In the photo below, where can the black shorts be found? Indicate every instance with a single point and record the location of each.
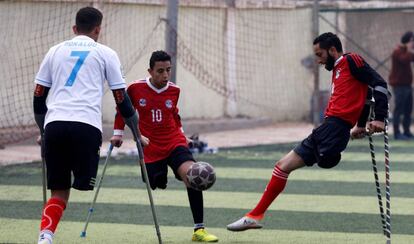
(158, 171)
(330, 138)
(71, 147)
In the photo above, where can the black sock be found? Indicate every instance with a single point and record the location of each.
(196, 204)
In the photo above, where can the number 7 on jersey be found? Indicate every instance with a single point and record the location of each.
(82, 56)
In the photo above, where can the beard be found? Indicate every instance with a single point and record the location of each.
(330, 62)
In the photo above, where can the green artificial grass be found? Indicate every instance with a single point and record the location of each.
(318, 206)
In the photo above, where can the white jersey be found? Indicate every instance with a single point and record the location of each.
(76, 70)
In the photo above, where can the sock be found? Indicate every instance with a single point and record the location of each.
(198, 226)
(46, 234)
(52, 212)
(275, 186)
(196, 204)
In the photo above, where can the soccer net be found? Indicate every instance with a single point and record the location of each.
(237, 61)
(29, 29)
(250, 56)
(234, 58)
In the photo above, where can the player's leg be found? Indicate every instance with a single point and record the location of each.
(323, 146)
(277, 183)
(59, 179)
(303, 154)
(86, 143)
(408, 107)
(157, 174)
(180, 160)
(398, 111)
(51, 215)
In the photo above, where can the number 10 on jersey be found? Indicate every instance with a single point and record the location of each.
(156, 115)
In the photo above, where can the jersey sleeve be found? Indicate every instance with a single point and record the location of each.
(365, 74)
(177, 117)
(119, 124)
(363, 118)
(113, 73)
(44, 76)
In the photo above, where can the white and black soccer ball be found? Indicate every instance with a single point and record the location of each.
(201, 176)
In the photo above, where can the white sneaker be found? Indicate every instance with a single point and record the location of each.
(244, 223)
(45, 237)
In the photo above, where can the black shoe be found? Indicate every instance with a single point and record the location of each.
(401, 137)
(409, 135)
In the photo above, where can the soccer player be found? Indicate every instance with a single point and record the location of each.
(353, 84)
(72, 77)
(155, 98)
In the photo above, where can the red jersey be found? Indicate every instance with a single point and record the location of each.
(158, 118)
(348, 94)
(401, 73)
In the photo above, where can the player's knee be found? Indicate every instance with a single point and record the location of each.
(183, 169)
(329, 161)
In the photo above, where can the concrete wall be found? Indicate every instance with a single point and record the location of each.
(269, 44)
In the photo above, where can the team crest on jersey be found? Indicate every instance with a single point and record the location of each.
(168, 103)
(142, 102)
(337, 73)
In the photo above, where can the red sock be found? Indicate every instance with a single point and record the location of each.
(52, 212)
(276, 185)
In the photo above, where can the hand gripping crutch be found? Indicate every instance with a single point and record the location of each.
(108, 155)
(386, 219)
(137, 137)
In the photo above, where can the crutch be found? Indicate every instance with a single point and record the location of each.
(108, 155)
(137, 137)
(387, 184)
(386, 220)
(44, 179)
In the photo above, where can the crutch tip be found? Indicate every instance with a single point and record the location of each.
(83, 234)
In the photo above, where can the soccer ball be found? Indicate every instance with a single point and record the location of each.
(201, 176)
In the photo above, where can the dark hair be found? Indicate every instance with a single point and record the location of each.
(158, 56)
(407, 37)
(328, 40)
(87, 19)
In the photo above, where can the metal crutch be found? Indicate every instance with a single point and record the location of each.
(108, 155)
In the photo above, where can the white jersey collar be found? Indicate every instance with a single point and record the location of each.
(154, 88)
(338, 60)
(83, 37)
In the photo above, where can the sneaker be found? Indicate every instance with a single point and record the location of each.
(203, 236)
(244, 223)
(409, 135)
(45, 238)
(401, 137)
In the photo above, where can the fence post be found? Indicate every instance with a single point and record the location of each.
(231, 72)
(316, 94)
(171, 31)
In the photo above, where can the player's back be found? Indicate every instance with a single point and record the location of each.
(75, 71)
